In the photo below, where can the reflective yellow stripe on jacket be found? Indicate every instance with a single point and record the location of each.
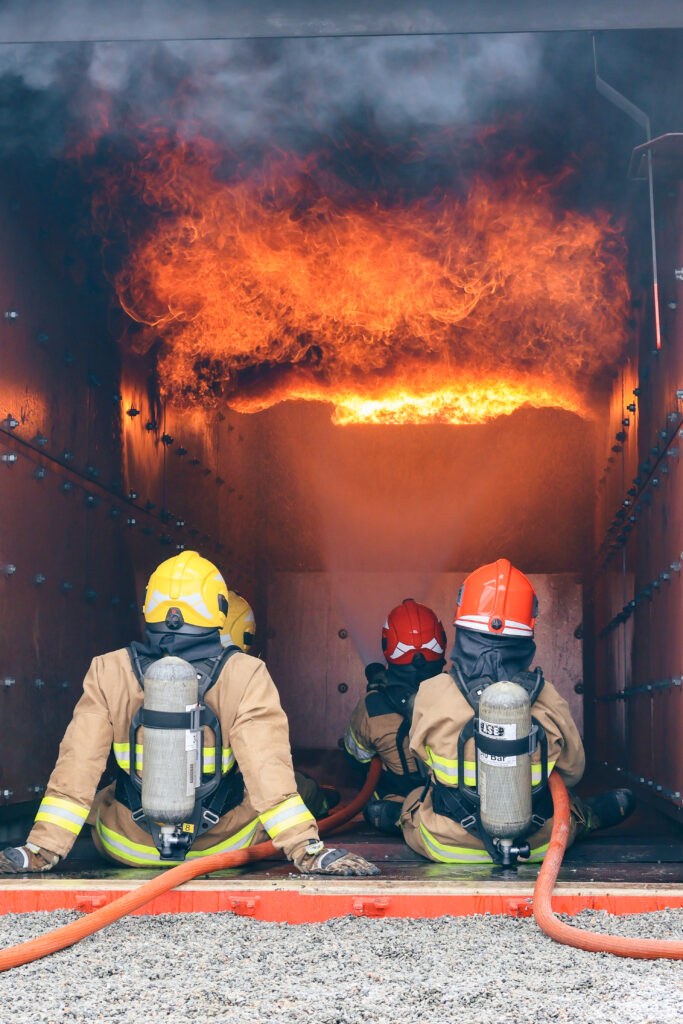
(292, 811)
(463, 854)
(356, 749)
(446, 770)
(137, 853)
(64, 813)
(122, 755)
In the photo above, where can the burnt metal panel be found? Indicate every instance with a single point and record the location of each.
(65, 20)
(637, 702)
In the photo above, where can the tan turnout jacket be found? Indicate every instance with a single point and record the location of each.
(373, 730)
(440, 714)
(255, 734)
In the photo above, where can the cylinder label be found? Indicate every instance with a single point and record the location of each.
(498, 732)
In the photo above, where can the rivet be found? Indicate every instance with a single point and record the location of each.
(115, 513)
(11, 422)
(150, 425)
(66, 587)
(166, 439)
(39, 578)
(117, 397)
(91, 501)
(9, 458)
(342, 634)
(66, 487)
(626, 422)
(91, 471)
(39, 683)
(8, 681)
(181, 451)
(65, 684)
(94, 380)
(90, 595)
(40, 473)
(11, 314)
(131, 521)
(132, 412)
(132, 495)
(114, 601)
(343, 687)
(67, 456)
(631, 407)
(8, 569)
(42, 338)
(7, 793)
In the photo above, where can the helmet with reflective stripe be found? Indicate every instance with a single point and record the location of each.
(240, 626)
(497, 599)
(411, 629)
(186, 590)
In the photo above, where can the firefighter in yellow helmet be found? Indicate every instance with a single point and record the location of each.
(240, 626)
(255, 796)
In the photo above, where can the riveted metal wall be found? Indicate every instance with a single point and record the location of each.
(98, 483)
(636, 592)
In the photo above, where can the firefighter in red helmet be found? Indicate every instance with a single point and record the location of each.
(414, 646)
(494, 630)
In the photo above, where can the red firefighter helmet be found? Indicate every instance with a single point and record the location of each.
(412, 628)
(497, 599)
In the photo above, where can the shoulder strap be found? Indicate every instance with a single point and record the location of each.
(139, 665)
(471, 689)
(533, 682)
(214, 668)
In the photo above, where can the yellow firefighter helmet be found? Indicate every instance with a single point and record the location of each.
(186, 590)
(240, 626)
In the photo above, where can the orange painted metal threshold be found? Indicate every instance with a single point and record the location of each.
(305, 901)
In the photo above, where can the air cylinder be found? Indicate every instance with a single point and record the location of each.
(170, 771)
(504, 782)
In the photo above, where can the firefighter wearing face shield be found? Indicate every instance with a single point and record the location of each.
(494, 629)
(414, 645)
(243, 760)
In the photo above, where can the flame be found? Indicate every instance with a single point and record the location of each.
(289, 283)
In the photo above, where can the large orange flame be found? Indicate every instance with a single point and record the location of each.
(288, 284)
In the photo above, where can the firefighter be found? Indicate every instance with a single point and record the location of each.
(185, 608)
(414, 646)
(494, 629)
(239, 629)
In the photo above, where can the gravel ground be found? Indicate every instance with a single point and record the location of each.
(218, 967)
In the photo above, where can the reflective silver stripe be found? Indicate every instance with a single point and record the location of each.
(61, 812)
(355, 749)
(297, 809)
(455, 854)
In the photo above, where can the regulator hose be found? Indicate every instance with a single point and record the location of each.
(641, 949)
(70, 934)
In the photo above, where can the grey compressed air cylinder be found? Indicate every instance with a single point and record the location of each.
(170, 769)
(504, 782)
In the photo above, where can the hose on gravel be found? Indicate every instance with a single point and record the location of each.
(70, 934)
(641, 949)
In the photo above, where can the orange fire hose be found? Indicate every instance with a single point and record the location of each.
(70, 934)
(641, 949)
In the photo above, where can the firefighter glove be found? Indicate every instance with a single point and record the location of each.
(318, 859)
(18, 860)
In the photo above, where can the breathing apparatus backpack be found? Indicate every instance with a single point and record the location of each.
(381, 700)
(495, 746)
(213, 798)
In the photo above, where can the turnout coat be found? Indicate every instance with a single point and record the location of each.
(255, 741)
(439, 716)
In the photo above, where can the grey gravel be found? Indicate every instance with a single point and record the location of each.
(218, 967)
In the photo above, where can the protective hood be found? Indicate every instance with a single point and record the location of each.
(499, 657)
(403, 681)
(192, 646)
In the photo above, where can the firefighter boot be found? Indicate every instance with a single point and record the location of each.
(608, 809)
(384, 815)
